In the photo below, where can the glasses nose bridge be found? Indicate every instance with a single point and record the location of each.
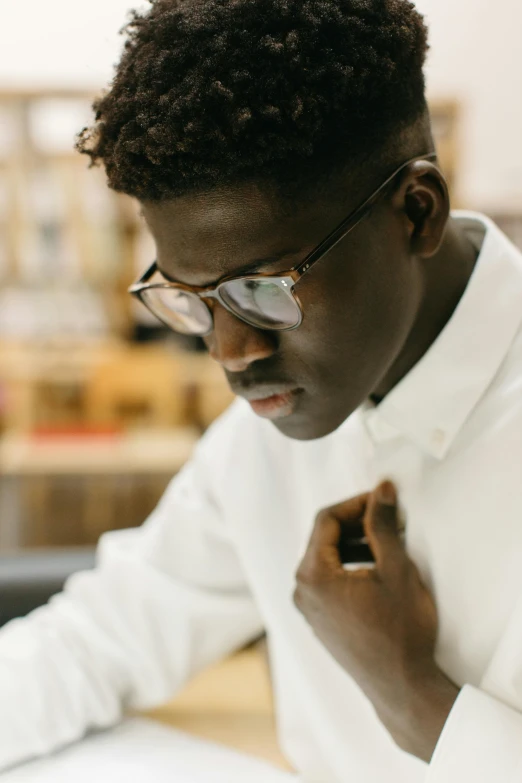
(209, 293)
(213, 295)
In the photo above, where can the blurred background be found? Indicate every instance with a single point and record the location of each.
(99, 405)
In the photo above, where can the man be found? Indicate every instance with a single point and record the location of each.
(282, 155)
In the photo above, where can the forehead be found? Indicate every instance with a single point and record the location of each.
(208, 235)
(209, 217)
(245, 213)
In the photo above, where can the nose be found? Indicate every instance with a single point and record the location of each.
(235, 344)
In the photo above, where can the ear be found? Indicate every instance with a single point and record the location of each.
(422, 200)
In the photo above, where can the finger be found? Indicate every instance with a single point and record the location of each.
(381, 524)
(338, 522)
(351, 512)
(322, 552)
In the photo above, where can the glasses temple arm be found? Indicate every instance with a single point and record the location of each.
(354, 219)
(149, 272)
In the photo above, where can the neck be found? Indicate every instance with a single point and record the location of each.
(447, 275)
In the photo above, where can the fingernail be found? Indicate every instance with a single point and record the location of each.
(386, 493)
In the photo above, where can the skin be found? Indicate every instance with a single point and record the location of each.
(380, 624)
(372, 308)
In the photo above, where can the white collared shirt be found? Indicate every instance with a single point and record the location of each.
(215, 564)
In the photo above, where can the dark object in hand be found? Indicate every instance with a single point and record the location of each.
(354, 550)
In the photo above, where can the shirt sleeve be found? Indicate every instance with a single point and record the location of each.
(164, 601)
(481, 742)
(482, 738)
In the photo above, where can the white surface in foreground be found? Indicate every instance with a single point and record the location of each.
(140, 750)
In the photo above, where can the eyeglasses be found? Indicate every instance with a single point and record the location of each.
(266, 301)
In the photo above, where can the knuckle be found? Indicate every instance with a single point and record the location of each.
(308, 575)
(322, 516)
(386, 519)
(298, 598)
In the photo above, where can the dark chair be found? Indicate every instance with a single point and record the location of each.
(29, 578)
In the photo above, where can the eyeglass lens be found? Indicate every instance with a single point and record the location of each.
(182, 311)
(261, 303)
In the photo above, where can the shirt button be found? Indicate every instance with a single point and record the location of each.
(438, 438)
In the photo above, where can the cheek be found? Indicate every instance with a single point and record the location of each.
(355, 302)
(356, 320)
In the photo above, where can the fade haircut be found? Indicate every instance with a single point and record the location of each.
(211, 93)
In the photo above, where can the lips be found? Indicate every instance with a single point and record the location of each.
(275, 407)
(271, 402)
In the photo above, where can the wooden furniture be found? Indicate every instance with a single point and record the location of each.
(66, 236)
(230, 703)
(108, 382)
(138, 383)
(68, 491)
(208, 393)
(43, 384)
(445, 120)
(63, 233)
(93, 435)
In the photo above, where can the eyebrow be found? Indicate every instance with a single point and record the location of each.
(260, 263)
(250, 268)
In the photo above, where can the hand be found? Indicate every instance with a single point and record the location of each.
(379, 623)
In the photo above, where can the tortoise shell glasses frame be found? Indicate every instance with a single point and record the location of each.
(281, 286)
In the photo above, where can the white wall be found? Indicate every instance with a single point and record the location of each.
(64, 42)
(476, 55)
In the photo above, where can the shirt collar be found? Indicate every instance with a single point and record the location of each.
(432, 402)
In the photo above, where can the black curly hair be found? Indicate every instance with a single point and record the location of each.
(210, 93)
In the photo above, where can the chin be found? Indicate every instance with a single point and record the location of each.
(300, 427)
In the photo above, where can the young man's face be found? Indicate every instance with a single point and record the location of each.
(359, 301)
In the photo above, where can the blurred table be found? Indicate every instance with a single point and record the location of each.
(67, 491)
(230, 703)
(145, 451)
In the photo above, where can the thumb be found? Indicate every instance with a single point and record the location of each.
(381, 526)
